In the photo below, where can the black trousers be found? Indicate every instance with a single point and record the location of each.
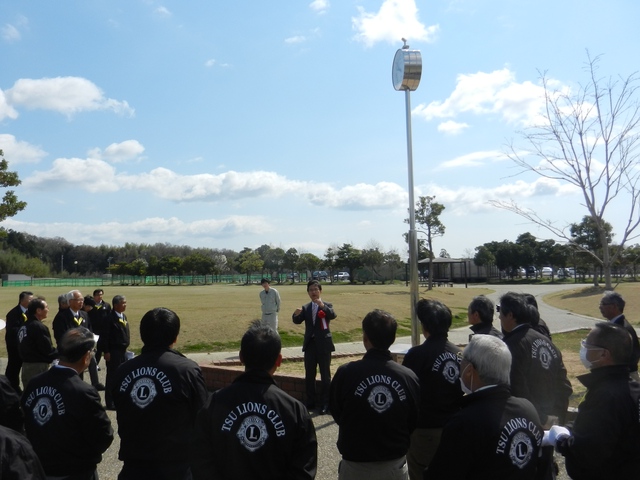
(14, 365)
(316, 355)
(117, 358)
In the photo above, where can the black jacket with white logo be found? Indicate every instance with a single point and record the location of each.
(437, 364)
(157, 397)
(537, 372)
(375, 402)
(494, 437)
(65, 422)
(253, 429)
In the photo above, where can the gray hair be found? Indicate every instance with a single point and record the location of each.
(118, 299)
(614, 298)
(491, 358)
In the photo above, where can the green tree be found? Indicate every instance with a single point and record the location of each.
(373, 259)
(588, 238)
(349, 258)
(10, 204)
(290, 261)
(393, 262)
(249, 262)
(428, 213)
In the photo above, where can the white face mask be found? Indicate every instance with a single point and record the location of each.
(464, 388)
(583, 357)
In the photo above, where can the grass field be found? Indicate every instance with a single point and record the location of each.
(214, 317)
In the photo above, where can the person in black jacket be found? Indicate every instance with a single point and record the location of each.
(36, 348)
(612, 308)
(18, 461)
(157, 396)
(317, 344)
(73, 317)
(252, 429)
(116, 341)
(16, 317)
(64, 420)
(375, 402)
(98, 316)
(437, 364)
(537, 370)
(604, 441)
(495, 436)
(480, 317)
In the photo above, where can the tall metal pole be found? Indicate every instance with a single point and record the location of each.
(405, 75)
(413, 237)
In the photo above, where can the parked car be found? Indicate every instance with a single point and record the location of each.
(566, 273)
(293, 276)
(320, 275)
(547, 271)
(341, 277)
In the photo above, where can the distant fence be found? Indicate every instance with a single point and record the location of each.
(139, 280)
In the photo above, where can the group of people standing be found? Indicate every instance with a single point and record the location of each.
(495, 410)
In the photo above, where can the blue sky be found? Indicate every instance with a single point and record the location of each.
(235, 124)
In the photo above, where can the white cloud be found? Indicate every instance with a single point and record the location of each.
(94, 175)
(91, 175)
(396, 19)
(319, 6)
(6, 110)
(482, 93)
(210, 63)
(475, 159)
(466, 200)
(163, 11)
(19, 152)
(452, 128)
(67, 95)
(10, 33)
(295, 39)
(119, 152)
(382, 195)
(149, 230)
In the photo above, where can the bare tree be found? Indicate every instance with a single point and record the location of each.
(588, 138)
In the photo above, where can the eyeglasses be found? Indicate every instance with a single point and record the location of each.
(603, 304)
(589, 346)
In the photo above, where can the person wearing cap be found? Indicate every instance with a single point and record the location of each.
(495, 435)
(604, 440)
(73, 317)
(252, 429)
(36, 347)
(16, 317)
(157, 396)
(270, 299)
(64, 419)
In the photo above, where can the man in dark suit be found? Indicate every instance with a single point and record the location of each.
(317, 345)
(73, 317)
(612, 308)
(117, 337)
(15, 319)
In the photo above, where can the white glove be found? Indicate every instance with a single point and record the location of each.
(554, 434)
